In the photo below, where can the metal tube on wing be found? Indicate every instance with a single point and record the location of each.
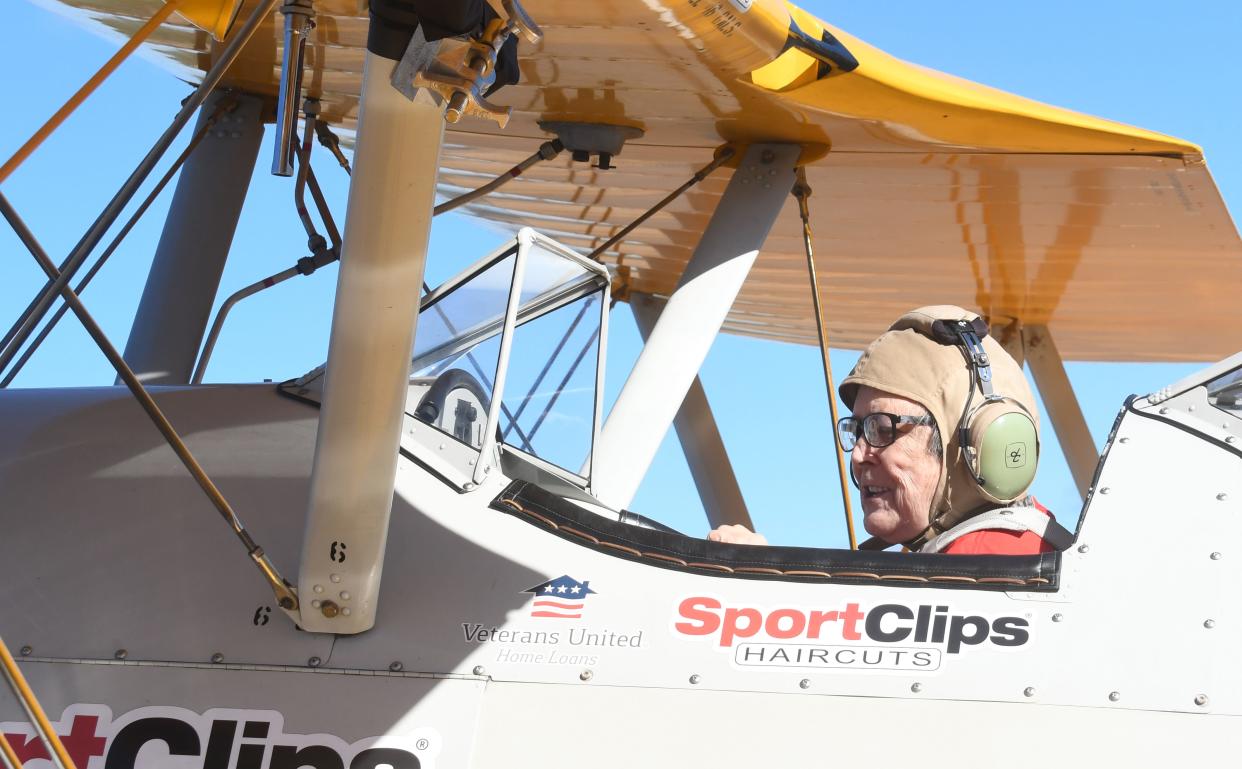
(299, 21)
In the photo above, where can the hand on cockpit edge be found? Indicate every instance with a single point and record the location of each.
(736, 534)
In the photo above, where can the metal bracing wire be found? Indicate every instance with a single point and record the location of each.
(286, 598)
(21, 330)
(546, 151)
(34, 712)
(222, 108)
(700, 175)
(802, 191)
(8, 757)
(87, 89)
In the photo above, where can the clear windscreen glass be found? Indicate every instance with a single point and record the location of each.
(456, 350)
(549, 402)
(1225, 392)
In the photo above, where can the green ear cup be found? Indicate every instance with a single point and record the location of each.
(1008, 455)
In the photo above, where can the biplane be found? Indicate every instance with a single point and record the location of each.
(422, 554)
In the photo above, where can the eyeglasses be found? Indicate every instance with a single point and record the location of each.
(879, 429)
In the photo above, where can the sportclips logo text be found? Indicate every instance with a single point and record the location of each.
(884, 637)
(162, 737)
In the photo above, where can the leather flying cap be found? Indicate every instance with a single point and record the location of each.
(908, 360)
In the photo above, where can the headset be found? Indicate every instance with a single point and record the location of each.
(997, 437)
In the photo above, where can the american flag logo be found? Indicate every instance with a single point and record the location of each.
(561, 598)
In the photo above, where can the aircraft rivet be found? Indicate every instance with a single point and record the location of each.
(334, 577)
(1230, 439)
(121, 654)
(1215, 556)
(396, 666)
(344, 595)
(314, 662)
(1164, 409)
(1201, 700)
(217, 658)
(1105, 490)
(1209, 623)
(805, 683)
(318, 588)
(467, 486)
(315, 604)
(1114, 696)
(1058, 617)
(479, 670)
(346, 611)
(694, 679)
(1123, 440)
(27, 651)
(767, 156)
(586, 675)
(1083, 548)
(916, 687)
(441, 447)
(1221, 497)
(1191, 407)
(1029, 691)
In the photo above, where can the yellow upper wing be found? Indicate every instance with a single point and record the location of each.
(928, 189)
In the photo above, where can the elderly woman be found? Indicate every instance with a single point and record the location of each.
(943, 442)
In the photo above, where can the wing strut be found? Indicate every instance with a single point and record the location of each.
(802, 191)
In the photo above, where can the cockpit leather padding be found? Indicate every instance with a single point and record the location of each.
(529, 502)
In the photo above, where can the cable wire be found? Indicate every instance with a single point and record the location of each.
(802, 191)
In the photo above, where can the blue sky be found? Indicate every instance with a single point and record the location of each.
(1136, 62)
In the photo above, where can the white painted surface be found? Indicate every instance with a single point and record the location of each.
(386, 231)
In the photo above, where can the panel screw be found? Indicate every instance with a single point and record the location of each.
(694, 679)
(396, 666)
(1058, 617)
(121, 654)
(1105, 490)
(314, 662)
(467, 486)
(27, 651)
(335, 577)
(1114, 696)
(586, 675)
(1209, 623)
(217, 658)
(805, 683)
(1083, 548)
(1215, 556)
(1123, 440)
(1029, 691)
(329, 609)
(1230, 439)
(1201, 700)
(1221, 497)
(1164, 409)
(916, 687)
(479, 670)
(767, 156)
